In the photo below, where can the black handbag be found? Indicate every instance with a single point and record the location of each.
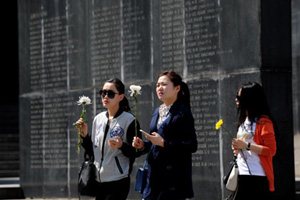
(87, 177)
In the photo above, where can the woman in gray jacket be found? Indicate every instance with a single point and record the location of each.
(110, 142)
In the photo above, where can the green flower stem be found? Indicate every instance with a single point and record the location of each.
(83, 111)
(79, 127)
(227, 131)
(79, 141)
(135, 113)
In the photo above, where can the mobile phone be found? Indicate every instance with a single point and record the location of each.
(114, 139)
(144, 132)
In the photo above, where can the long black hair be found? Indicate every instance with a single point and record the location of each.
(184, 93)
(252, 100)
(124, 104)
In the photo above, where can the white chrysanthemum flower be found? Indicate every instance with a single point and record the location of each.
(135, 90)
(84, 100)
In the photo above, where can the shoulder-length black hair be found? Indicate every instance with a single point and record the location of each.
(124, 104)
(184, 93)
(252, 102)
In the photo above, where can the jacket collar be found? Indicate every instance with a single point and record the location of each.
(171, 113)
(117, 114)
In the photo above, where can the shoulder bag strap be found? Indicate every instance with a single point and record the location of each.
(245, 161)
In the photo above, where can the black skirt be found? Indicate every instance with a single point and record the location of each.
(253, 187)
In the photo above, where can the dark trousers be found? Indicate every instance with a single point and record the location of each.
(253, 187)
(114, 190)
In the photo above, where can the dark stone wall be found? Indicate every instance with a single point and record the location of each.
(276, 75)
(296, 88)
(69, 48)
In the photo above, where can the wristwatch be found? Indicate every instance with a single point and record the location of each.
(248, 146)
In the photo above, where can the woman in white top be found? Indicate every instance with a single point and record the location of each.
(255, 144)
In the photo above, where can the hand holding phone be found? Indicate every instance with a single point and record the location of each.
(144, 132)
(147, 135)
(115, 143)
(113, 139)
(155, 138)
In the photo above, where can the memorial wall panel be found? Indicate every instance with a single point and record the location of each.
(105, 40)
(136, 40)
(172, 35)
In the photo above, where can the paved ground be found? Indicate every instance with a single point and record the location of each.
(82, 198)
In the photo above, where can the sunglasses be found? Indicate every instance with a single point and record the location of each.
(111, 94)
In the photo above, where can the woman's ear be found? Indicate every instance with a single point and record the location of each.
(121, 97)
(177, 88)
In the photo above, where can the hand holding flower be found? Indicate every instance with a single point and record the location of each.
(138, 143)
(238, 144)
(81, 127)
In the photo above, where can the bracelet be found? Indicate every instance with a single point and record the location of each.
(248, 146)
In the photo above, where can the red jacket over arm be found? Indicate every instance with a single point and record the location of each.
(265, 136)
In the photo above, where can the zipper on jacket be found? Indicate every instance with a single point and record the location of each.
(118, 165)
(102, 156)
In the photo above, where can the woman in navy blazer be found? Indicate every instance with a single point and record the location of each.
(171, 143)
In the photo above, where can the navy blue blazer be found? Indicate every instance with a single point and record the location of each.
(170, 167)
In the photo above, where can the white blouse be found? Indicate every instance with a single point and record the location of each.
(246, 132)
(163, 114)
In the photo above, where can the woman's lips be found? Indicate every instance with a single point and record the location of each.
(105, 101)
(160, 93)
